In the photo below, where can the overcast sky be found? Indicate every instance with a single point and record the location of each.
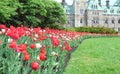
(103, 1)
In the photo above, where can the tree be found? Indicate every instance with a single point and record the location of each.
(35, 13)
(55, 13)
(29, 13)
(7, 9)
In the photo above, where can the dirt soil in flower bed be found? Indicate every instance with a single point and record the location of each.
(69, 55)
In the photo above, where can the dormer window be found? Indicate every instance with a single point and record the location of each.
(119, 21)
(112, 11)
(105, 11)
(96, 6)
(118, 11)
(91, 6)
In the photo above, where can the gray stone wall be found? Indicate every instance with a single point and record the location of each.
(80, 7)
(84, 17)
(111, 21)
(70, 20)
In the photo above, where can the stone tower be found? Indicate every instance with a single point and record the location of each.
(80, 7)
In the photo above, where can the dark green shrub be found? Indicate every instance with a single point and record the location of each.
(100, 30)
(56, 26)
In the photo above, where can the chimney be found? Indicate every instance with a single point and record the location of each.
(63, 3)
(107, 4)
(99, 2)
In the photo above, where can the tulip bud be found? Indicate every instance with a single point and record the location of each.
(3, 31)
(35, 39)
(18, 54)
(40, 31)
(31, 29)
(0, 32)
(44, 30)
(10, 40)
(36, 35)
(38, 57)
(50, 35)
(54, 53)
(25, 42)
(38, 45)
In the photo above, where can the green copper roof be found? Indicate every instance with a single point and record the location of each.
(69, 9)
(117, 3)
(93, 5)
(112, 10)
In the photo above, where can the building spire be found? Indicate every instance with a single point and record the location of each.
(63, 3)
(99, 2)
(108, 3)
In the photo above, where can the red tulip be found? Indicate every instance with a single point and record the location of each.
(22, 47)
(32, 46)
(2, 26)
(35, 65)
(13, 44)
(62, 48)
(26, 57)
(42, 37)
(24, 52)
(67, 47)
(14, 36)
(55, 41)
(42, 49)
(42, 56)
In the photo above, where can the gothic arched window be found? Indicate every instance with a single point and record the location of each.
(91, 6)
(81, 11)
(118, 11)
(119, 21)
(106, 21)
(95, 6)
(68, 22)
(105, 11)
(112, 10)
(81, 20)
(113, 21)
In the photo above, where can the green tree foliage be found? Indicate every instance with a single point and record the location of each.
(29, 12)
(7, 9)
(35, 13)
(55, 13)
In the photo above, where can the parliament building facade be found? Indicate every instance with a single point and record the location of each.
(93, 13)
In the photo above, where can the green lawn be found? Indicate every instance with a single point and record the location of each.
(96, 56)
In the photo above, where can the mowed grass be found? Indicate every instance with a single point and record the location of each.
(96, 56)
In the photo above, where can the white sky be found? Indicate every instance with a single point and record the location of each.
(103, 1)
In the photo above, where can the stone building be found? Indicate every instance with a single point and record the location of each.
(93, 13)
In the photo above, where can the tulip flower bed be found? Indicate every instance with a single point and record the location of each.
(34, 50)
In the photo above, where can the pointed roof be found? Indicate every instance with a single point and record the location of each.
(117, 3)
(113, 10)
(93, 5)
